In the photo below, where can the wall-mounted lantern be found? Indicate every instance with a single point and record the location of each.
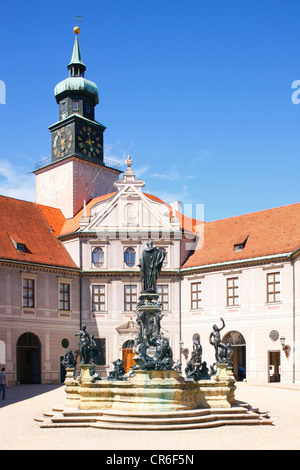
(285, 347)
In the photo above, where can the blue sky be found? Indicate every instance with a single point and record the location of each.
(198, 92)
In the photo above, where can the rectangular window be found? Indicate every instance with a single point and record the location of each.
(273, 287)
(232, 291)
(28, 293)
(98, 298)
(64, 296)
(75, 105)
(196, 295)
(130, 298)
(163, 296)
(64, 107)
(88, 108)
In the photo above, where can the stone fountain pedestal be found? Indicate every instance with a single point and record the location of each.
(151, 390)
(152, 401)
(154, 395)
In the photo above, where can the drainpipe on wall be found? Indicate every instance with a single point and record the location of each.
(80, 283)
(180, 325)
(294, 321)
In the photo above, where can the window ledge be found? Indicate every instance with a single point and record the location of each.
(65, 313)
(29, 310)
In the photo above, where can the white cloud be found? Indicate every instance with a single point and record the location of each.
(169, 196)
(140, 171)
(204, 155)
(171, 176)
(16, 182)
(118, 157)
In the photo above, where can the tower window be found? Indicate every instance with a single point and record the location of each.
(75, 105)
(88, 108)
(63, 107)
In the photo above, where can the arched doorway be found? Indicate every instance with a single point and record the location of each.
(238, 345)
(29, 359)
(127, 354)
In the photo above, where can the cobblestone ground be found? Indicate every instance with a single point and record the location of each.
(24, 403)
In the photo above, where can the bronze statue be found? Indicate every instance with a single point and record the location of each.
(87, 347)
(150, 264)
(118, 370)
(69, 361)
(163, 357)
(149, 315)
(222, 351)
(197, 350)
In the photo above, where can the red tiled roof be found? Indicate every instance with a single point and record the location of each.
(269, 232)
(25, 222)
(186, 223)
(54, 217)
(71, 225)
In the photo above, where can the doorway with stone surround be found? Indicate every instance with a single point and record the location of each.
(28, 359)
(238, 345)
(128, 354)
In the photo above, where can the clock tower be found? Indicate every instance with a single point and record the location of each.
(77, 170)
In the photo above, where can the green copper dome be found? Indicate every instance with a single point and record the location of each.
(76, 81)
(79, 84)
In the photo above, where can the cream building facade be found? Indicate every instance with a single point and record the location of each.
(71, 259)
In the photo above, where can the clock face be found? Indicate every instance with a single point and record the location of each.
(89, 142)
(62, 141)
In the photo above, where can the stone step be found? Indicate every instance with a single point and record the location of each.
(189, 419)
(170, 427)
(74, 419)
(87, 413)
(155, 427)
(178, 420)
(149, 415)
(176, 414)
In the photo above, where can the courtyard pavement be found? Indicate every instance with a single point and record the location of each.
(19, 430)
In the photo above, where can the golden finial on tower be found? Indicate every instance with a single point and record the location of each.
(76, 30)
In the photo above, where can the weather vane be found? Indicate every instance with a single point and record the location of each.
(78, 18)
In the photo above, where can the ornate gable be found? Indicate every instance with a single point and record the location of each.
(130, 211)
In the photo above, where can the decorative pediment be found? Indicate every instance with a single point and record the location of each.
(130, 210)
(128, 328)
